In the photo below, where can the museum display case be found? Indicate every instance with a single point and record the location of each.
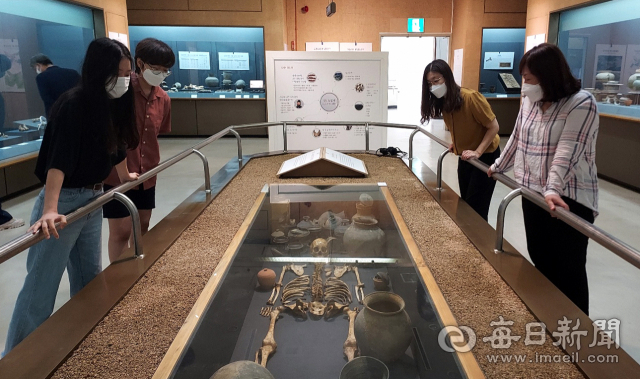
(218, 78)
(323, 275)
(62, 32)
(603, 50)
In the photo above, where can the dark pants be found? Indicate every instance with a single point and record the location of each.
(4, 216)
(558, 250)
(476, 188)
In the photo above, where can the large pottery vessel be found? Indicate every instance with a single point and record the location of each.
(242, 370)
(364, 237)
(383, 327)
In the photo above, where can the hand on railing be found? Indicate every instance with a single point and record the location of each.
(554, 200)
(467, 154)
(130, 178)
(48, 224)
(451, 148)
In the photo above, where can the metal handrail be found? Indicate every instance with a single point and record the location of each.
(23, 242)
(610, 242)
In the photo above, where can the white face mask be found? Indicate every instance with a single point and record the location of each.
(153, 79)
(532, 91)
(439, 90)
(38, 71)
(119, 88)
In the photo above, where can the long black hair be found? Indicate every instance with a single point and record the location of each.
(547, 63)
(433, 107)
(112, 120)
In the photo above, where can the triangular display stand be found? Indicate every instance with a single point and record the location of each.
(322, 162)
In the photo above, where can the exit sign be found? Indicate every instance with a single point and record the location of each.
(415, 25)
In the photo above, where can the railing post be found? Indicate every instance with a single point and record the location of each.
(207, 176)
(502, 210)
(439, 173)
(135, 220)
(366, 137)
(284, 136)
(239, 140)
(411, 142)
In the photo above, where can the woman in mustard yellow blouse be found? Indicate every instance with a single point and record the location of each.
(473, 127)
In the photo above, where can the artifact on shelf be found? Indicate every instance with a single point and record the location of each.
(211, 81)
(350, 346)
(269, 344)
(611, 86)
(23, 128)
(364, 367)
(266, 278)
(226, 78)
(177, 85)
(605, 76)
(305, 224)
(242, 370)
(626, 101)
(240, 84)
(364, 236)
(330, 220)
(279, 237)
(344, 225)
(381, 281)
(383, 327)
(42, 122)
(634, 81)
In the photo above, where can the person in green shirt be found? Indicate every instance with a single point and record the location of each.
(473, 127)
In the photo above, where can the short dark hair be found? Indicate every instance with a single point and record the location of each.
(40, 59)
(452, 101)
(154, 52)
(547, 63)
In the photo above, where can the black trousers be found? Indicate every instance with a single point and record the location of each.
(476, 188)
(558, 250)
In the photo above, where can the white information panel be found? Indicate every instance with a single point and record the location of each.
(194, 60)
(498, 60)
(233, 61)
(356, 46)
(311, 86)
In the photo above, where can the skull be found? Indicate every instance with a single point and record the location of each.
(316, 308)
(320, 247)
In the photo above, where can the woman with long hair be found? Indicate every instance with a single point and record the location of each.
(552, 150)
(473, 127)
(89, 130)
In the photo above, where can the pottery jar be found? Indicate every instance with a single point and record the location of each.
(383, 327)
(266, 278)
(605, 76)
(242, 370)
(364, 237)
(631, 83)
(211, 81)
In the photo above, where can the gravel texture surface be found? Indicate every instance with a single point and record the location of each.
(133, 338)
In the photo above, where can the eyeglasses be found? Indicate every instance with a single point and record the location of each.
(436, 81)
(157, 71)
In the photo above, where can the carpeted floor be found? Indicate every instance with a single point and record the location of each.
(132, 340)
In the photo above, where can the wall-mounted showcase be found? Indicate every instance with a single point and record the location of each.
(60, 30)
(502, 50)
(211, 62)
(602, 45)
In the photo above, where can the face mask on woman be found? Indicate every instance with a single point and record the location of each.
(439, 90)
(120, 88)
(153, 79)
(532, 91)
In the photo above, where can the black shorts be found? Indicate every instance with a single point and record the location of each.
(142, 198)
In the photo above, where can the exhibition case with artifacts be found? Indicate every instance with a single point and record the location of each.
(62, 32)
(218, 78)
(602, 47)
(323, 284)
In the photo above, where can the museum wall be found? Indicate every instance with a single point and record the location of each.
(538, 12)
(115, 13)
(469, 18)
(266, 13)
(362, 21)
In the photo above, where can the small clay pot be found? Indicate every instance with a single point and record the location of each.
(381, 281)
(267, 278)
(242, 370)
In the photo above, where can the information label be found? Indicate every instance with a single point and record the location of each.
(194, 60)
(233, 61)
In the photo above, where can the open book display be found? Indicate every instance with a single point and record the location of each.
(322, 162)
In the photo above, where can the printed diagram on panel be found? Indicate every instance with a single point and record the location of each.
(337, 90)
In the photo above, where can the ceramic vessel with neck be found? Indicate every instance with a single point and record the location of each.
(364, 237)
(383, 327)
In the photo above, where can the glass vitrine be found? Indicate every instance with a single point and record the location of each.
(319, 241)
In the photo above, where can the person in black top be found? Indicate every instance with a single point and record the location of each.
(91, 127)
(52, 80)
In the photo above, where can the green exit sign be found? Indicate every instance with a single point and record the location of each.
(415, 25)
